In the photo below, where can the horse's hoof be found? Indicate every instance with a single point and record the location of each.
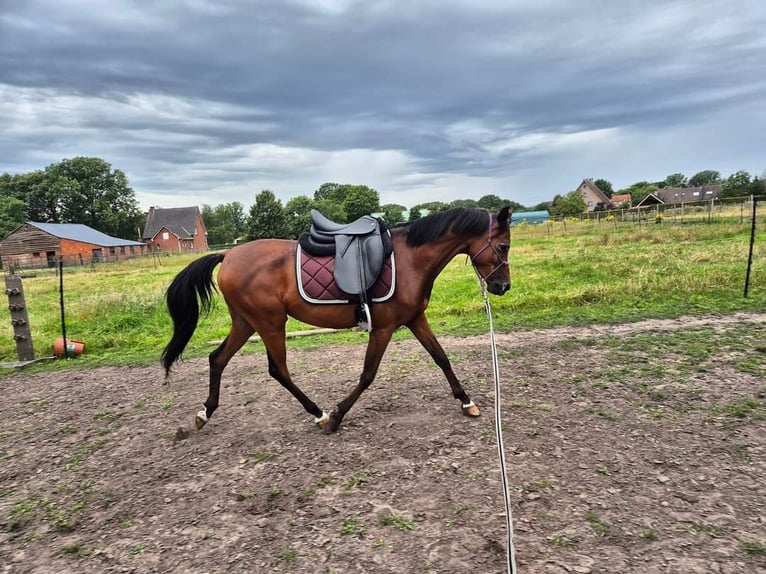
(200, 420)
(471, 410)
(332, 424)
(322, 421)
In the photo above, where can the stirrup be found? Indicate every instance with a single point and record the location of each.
(363, 318)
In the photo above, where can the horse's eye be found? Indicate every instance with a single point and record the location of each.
(503, 247)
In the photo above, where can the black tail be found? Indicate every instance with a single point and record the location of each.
(193, 282)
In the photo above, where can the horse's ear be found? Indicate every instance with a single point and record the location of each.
(504, 216)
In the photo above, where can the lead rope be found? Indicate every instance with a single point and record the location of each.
(511, 554)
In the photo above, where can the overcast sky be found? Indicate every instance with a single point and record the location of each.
(203, 101)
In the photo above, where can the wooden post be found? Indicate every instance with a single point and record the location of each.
(22, 333)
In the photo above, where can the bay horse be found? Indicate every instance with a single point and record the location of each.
(258, 282)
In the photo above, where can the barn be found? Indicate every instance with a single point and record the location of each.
(35, 244)
(175, 229)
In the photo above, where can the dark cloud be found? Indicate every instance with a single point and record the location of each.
(457, 97)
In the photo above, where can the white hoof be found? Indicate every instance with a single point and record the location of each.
(322, 421)
(201, 419)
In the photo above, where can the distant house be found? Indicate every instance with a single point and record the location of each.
(529, 217)
(36, 244)
(676, 195)
(175, 229)
(622, 200)
(595, 199)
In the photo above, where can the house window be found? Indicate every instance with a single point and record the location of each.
(165, 235)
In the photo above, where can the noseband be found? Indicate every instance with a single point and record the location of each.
(500, 265)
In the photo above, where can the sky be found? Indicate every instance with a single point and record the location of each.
(209, 102)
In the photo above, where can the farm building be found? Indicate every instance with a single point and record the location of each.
(676, 195)
(529, 217)
(175, 229)
(36, 244)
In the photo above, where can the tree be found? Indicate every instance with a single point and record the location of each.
(13, 212)
(738, 184)
(360, 200)
(674, 180)
(463, 203)
(330, 210)
(333, 192)
(393, 213)
(31, 188)
(96, 195)
(298, 215)
(224, 223)
(355, 200)
(573, 203)
(78, 190)
(705, 177)
(605, 186)
(491, 203)
(267, 217)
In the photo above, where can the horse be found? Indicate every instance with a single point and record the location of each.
(258, 282)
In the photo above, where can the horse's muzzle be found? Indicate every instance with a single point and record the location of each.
(498, 287)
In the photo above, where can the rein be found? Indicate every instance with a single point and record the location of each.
(511, 554)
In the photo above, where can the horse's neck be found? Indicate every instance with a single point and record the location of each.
(434, 257)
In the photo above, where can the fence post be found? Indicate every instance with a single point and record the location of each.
(22, 333)
(750, 255)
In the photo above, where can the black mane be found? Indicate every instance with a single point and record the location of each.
(459, 220)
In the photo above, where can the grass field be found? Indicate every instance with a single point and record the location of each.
(580, 274)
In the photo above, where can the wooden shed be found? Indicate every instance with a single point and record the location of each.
(175, 229)
(36, 244)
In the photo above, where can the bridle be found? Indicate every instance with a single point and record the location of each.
(501, 263)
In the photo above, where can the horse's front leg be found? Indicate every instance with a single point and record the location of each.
(422, 330)
(376, 347)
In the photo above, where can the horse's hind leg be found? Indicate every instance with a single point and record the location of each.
(238, 335)
(276, 351)
(422, 330)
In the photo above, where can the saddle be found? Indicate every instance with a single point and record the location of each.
(360, 249)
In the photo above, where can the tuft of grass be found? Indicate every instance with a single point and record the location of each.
(77, 550)
(754, 548)
(289, 556)
(563, 541)
(398, 522)
(600, 527)
(650, 534)
(350, 527)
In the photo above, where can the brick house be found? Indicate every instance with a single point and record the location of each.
(175, 229)
(34, 244)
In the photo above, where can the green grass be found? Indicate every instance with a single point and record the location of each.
(590, 273)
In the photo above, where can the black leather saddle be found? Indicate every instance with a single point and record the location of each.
(360, 249)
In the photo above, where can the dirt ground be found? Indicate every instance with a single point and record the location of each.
(630, 448)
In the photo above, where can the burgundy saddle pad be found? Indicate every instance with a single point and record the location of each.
(317, 285)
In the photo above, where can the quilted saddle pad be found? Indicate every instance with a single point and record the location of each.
(317, 285)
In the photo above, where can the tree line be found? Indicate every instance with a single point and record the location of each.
(738, 184)
(269, 217)
(88, 190)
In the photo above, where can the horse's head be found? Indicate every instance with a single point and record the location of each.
(489, 253)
